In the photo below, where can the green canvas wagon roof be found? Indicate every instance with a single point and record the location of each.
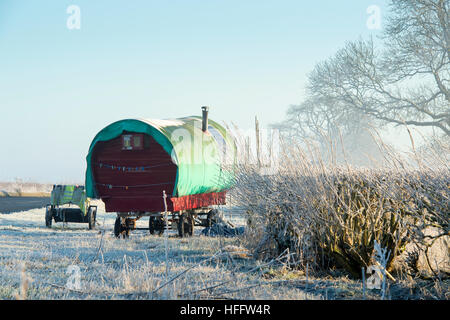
(205, 161)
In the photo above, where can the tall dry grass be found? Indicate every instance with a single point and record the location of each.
(329, 214)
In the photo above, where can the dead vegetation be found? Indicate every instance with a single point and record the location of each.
(328, 215)
(311, 229)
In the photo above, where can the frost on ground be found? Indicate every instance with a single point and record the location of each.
(69, 261)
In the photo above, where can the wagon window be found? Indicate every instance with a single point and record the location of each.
(133, 141)
(137, 141)
(126, 142)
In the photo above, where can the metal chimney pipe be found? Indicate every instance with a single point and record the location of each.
(205, 118)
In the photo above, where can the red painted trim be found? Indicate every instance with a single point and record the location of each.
(156, 204)
(198, 200)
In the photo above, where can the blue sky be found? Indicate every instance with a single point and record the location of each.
(152, 59)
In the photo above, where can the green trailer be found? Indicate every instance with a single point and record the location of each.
(69, 203)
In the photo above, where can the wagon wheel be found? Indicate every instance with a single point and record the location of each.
(186, 225)
(119, 229)
(212, 217)
(48, 217)
(91, 218)
(156, 225)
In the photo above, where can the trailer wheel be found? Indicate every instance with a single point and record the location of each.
(156, 225)
(48, 217)
(118, 228)
(186, 225)
(91, 218)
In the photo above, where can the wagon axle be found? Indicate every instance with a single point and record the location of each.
(183, 221)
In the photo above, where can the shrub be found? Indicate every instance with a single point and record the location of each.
(330, 215)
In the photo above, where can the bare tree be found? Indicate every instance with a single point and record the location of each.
(331, 125)
(417, 39)
(406, 82)
(318, 116)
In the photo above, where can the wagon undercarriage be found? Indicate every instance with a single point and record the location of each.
(183, 221)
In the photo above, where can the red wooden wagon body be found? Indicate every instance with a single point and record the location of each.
(132, 170)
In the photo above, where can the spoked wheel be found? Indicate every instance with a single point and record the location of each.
(156, 225)
(120, 229)
(186, 225)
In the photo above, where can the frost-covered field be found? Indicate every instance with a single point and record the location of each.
(71, 262)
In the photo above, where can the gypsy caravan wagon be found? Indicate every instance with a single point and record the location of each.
(141, 167)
